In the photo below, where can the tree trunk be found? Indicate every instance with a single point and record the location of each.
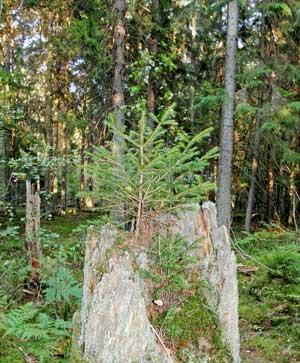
(2, 167)
(119, 61)
(257, 134)
(49, 137)
(6, 135)
(270, 186)
(153, 48)
(32, 242)
(64, 170)
(118, 94)
(82, 167)
(292, 218)
(193, 66)
(253, 179)
(226, 141)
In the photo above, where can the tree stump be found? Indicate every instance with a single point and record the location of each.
(32, 242)
(114, 326)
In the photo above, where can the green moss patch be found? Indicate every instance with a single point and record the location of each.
(188, 323)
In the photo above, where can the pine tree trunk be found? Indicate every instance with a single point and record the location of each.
(2, 167)
(226, 140)
(119, 62)
(32, 242)
(49, 121)
(64, 170)
(292, 191)
(270, 186)
(193, 66)
(82, 166)
(118, 94)
(9, 67)
(153, 48)
(255, 158)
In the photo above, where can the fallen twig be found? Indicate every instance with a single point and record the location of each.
(160, 340)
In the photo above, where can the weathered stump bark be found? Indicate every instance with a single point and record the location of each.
(32, 242)
(217, 263)
(114, 324)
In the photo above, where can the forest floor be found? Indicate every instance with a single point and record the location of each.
(269, 292)
(270, 297)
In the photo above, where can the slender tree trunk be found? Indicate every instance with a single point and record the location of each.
(226, 140)
(32, 242)
(49, 137)
(193, 66)
(253, 178)
(292, 218)
(119, 61)
(118, 213)
(2, 168)
(6, 134)
(257, 134)
(64, 170)
(270, 185)
(153, 48)
(82, 169)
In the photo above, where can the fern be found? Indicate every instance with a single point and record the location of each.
(62, 287)
(36, 332)
(245, 108)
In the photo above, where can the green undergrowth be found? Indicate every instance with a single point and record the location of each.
(40, 328)
(270, 297)
(185, 320)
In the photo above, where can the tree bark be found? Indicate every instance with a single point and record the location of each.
(193, 66)
(2, 167)
(64, 170)
(257, 134)
(226, 140)
(119, 61)
(49, 137)
(82, 170)
(253, 178)
(270, 185)
(292, 191)
(153, 48)
(6, 134)
(32, 242)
